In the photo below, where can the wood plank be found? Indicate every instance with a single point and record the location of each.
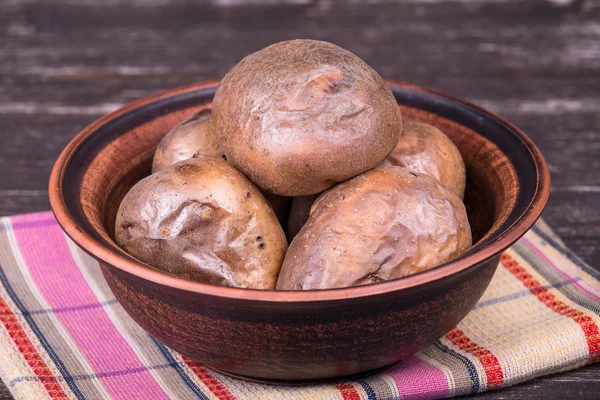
(582, 383)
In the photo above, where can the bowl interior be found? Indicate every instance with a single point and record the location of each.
(117, 152)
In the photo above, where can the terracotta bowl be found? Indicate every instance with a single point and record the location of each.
(297, 336)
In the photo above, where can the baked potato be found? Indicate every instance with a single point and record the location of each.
(426, 150)
(301, 115)
(194, 137)
(299, 212)
(201, 219)
(381, 225)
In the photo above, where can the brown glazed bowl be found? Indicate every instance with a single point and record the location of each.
(289, 336)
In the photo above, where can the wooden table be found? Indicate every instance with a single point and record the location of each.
(65, 63)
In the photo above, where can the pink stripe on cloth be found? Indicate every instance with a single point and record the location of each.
(417, 379)
(49, 260)
(551, 263)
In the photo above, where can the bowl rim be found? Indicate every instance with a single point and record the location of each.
(506, 238)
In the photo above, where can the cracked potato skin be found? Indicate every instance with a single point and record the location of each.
(299, 116)
(202, 220)
(426, 150)
(381, 225)
(193, 137)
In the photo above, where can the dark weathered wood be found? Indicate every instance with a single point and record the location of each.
(579, 384)
(4, 393)
(537, 63)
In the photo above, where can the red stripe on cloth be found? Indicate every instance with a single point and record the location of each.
(587, 324)
(214, 385)
(348, 391)
(29, 352)
(490, 363)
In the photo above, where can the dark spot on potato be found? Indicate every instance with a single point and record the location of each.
(262, 246)
(128, 227)
(224, 157)
(248, 195)
(413, 174)
(259, 238)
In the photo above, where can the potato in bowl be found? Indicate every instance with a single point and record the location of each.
(384, 224)
(282, 336)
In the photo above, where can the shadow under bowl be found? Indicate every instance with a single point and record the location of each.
(284, 336)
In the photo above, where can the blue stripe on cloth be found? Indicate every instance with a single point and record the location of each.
(567, 253)
(471, 369)
(521, 294)
(101, 374)
(185, 377)
(38, 333)
(368, 390)
(577, 296)
(67, 309)
(29, 379)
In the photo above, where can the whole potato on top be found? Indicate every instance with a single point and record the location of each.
(299, 116)
(191, 138)
(202, 220)
(384, 224)
(427, 150)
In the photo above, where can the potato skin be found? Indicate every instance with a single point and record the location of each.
(194, 137)
(427, 150)
(202, 220)
(299, 212)
(299, 116)
(281, 207)
(381, 225)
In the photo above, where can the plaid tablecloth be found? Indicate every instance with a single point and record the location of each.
(63, 334)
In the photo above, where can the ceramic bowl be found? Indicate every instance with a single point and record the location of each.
(306, 335)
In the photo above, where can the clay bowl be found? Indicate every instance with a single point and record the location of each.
(298, 336)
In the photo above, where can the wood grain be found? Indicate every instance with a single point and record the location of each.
(537, 63)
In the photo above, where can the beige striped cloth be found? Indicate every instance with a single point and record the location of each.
(63, 334)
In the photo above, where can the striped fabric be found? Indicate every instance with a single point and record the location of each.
(63, 335)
